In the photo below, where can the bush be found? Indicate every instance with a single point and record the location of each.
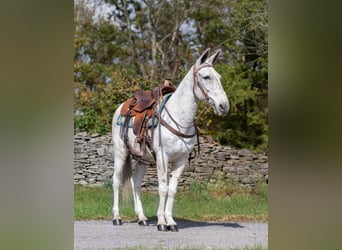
(94, 108)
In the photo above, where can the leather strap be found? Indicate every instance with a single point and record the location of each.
(207, 98)
(176, 132)
(197, 82)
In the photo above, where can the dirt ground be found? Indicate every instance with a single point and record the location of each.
(203, 235)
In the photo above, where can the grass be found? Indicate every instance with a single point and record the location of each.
(218, 201)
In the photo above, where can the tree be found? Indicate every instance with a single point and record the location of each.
(153, 29)
(143, 42)
(240, 29)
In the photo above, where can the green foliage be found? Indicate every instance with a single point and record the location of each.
(151, 42)
(97, 107)
(245, 126)
(240, 28)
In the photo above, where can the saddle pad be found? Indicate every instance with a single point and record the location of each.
(121, 121)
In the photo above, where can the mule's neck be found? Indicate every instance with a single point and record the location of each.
(183, 104)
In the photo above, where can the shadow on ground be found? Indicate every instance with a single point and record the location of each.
(191, 224)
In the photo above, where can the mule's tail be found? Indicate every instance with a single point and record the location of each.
(126, 178)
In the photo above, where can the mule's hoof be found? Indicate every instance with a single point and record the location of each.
(162, 228)
(173, 228)
(117, 222)
(143, 223)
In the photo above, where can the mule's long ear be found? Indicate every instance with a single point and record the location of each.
(203, 57)
(213, 58)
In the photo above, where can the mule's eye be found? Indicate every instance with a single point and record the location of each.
(206, 77)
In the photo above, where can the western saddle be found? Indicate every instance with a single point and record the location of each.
(142, 107)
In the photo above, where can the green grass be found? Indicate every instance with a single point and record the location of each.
(219, 201)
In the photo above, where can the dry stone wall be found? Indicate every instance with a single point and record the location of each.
(93, 163)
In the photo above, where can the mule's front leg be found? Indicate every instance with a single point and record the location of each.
(162, 180)
(173, 183)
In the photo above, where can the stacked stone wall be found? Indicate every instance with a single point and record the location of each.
(93, 163)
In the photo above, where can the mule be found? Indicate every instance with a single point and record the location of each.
(201, 83)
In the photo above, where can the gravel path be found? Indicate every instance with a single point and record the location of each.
(204, 235)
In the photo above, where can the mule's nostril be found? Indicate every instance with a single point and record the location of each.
(222, 107)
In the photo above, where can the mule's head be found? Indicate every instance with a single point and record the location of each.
(207, 84)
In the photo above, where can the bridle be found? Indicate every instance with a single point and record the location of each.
(199, 84)
(207, 99)
(177, 132)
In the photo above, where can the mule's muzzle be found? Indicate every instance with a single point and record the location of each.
(221, 109)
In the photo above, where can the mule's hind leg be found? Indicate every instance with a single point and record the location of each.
(136, 181)
(119, 165)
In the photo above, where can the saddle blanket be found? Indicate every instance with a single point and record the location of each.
(121, 121)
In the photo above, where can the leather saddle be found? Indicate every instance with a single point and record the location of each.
(141, 107)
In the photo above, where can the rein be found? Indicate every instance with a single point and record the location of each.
(207, 99)
(177, 132)
(174, 131)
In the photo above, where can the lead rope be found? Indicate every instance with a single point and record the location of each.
(207, 99)
(160, 142)
(159, 134)
(193, 153)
